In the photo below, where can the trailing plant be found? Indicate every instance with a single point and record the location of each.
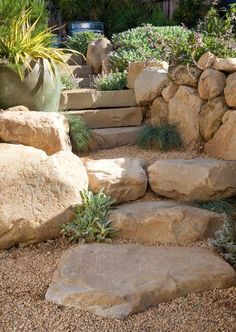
(161, 137)
(91, 223)
(222, 206)
(80, 41)
(79, 134)
(68, 82)
(112, 81)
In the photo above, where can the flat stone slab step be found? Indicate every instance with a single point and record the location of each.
(88, 98)
(80, 71)
(111, 117)
(195, 179)
(115, 281)
(164, 222)
(108, 138)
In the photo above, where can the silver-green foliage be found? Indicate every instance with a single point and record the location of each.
(112, 81)
(91, 223)
(80, 41)
(68, 82)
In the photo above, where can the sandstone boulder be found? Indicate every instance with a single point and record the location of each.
(97, 52)
(193, 180)
(184, 108)
(210, 117)
(227, 65)
(19, 108)
(115, 281)
(149, 84)
(185, 75)
(230, 90)
(164, 222)
(159, 111)
(123, 179)
(206, 61)
(169, 91)
(211, 84)
(223, 143)
(37, 193)
(47, 131)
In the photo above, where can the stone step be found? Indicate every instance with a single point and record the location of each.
(74, 59)
(77, 71)
(115, 281)
(111, 117)
(195, 179)
(164, 222)
(108, 138)
(82, 99)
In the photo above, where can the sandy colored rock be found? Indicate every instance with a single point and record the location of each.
(77, 71)
(211, 84)
(111, 117)
(19, 108)
(230, 90)
(185, 75)
(184, 109)
(159, 111)
(223, 143)
(164, 222)
(206, 61)
(135, 68)
(123, 179)
(37, 193)
(169, 91)
(73, 59)
(149, 85)
(193, 180)
(210, 117)
(115, 281)
(47, 131)
(228, 65)
(97, 52)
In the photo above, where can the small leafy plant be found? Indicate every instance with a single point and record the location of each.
(80, 41)
(79, 134)
(112, 81)
(161, 137)
(68, 82)
(91, 223)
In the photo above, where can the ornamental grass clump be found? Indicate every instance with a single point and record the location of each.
(91, 222)
(79, 134)
(162, 137)
(112, 81)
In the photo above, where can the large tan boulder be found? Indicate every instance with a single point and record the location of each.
(211, 84)
(193, 180)
(230, 90)
(210, 117)
(227, 65)
(37, 193)
(115, 281)
(169, 91)
(159, 111)
(149, 84)
(47, 131)
(135, 68)
(97, 53)
(223, 143)
(164, 222)
(19, 108)
(206, 61)
(123, 179)
(185, 75)
(184, 109)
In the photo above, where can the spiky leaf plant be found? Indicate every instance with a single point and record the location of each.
(91, 223)
(79, 134)
(161, 137)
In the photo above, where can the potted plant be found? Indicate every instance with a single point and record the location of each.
(29, 72)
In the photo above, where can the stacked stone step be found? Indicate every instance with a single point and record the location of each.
(113, 116)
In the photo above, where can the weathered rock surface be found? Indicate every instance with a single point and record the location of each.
(47, 131)
(115, 281)
(211, 84)
(169, 91)
(135, 68)
(123, 179)
(149, 85)
(184, 108)
(77, 71)
(164, 222)
(210, 117)
(159, 111)
(19, 108)
(97, 52)
(228, 65)
(184, 75)
(206, 61)
(37, 193)
(223, 143)
(230, 90)
(196, 179)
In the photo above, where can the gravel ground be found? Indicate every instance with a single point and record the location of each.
(25, 274)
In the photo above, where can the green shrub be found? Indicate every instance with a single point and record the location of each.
(161, 137)
(79, 134)
(68, 82)
(225, 240)
(90, 223)
(112, 81)
(189, 12)
(222, 206)
(80, 41)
